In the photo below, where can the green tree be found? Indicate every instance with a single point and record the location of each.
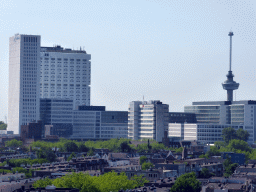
(179, 150)
(82, 147)
(205, 173)
(70, 147)
(242, 134)
(187, 183)
(229, 166)
(220, 144)
(214, 151)
(46, 153)
(143, 159)
(146, 165)
(85, 183)
(13, 143)
(42, 183)
(228, 134)
(238, 145)
(72, 155)
(3, 126)
(125, 147)
(90, 152)
(139, 180)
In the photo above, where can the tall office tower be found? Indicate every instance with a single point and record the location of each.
(24, 70)
(147, 120)
(65, 74)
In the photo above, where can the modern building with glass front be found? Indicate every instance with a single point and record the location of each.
(212, 117)
(86, 122)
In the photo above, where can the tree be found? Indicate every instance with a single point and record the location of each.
(82, 147)
(143, 159)
(228, 134)
(72, 155)
(125, 147)
(242, 134)
(229, 166)
(146, 165)
(42, 183)
(46, 153)
(238, 145)
(13, 143)
(70, 147)
(205, 173)
(90, 152)
(187, 183)
(3, 126)
(220, 144)
(213, 152)
(111, 181)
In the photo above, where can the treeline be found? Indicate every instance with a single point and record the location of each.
(85, 183)
(114, 145)
(234, 141)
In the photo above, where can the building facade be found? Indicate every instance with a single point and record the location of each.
(95, 124)
(147, 120)
(24, 89)
(181, 117)
(86, 122)
(65, 74)
(213, 117)
(59, 114)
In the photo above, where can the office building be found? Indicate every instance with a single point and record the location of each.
(93, 122)
(65, 74)
(59, 114)
(24, 90)
(86, 122)
(147, 120)
(214, 116)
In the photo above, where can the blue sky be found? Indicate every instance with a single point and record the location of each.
(173, 51)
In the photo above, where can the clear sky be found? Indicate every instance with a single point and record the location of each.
(173, 51)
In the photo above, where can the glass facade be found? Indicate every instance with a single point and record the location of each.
(205, 114)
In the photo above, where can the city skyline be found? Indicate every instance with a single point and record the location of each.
(173, 52)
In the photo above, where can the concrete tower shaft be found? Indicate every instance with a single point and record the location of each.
(230, 84)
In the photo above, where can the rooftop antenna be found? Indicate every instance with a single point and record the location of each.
(230, 85)
(230, 57)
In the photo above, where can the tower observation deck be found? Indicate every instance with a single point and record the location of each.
(230, 84)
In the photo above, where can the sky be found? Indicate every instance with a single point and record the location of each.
(173, 51)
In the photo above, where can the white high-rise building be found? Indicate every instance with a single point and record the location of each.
(147, 120)
(65, 74)
(24, 70)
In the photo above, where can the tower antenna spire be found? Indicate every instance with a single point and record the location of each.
(230, 85)
(230, 54)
